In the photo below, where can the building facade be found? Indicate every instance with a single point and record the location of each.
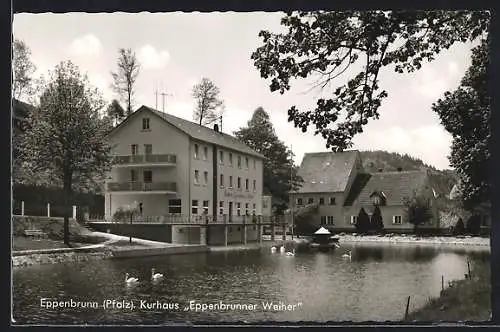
(340, 187)
(173, 168)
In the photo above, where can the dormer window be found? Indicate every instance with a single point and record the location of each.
(378, 198)
(145, 124)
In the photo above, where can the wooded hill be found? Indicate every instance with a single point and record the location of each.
(373, 161)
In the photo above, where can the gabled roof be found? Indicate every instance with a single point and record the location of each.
(326, 171)
(198, 132)
(322, 230)
(395, 186)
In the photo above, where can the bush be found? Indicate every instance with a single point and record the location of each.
(474, 225)
(123, 214)
(363, 222)
(377, 223)
(459, 228)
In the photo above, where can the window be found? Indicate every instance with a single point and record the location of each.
(145, 124)
(230, 159)
(196, 151)
(254, 164)
(148, 176)
(299, 201)
(196, 176)
(230, 181)
(354, 220)
(321, 201)
(205, 207)
(221, 207)
(246, 209)
(323, 220)
(238, 209)
(397, 220)
(133, 175)
(239, 182)
(174, 206)
(254, 185)
(221, 157)
(253, 208)
(264, 204)
(246, 184)
(310, 200)
(221, 180)
(239, 161)
(135, 149)
(332, 200)
(329, 220)
(205, 153)
(246, 162)
(148, 149)
(205, 178)
(194, 206)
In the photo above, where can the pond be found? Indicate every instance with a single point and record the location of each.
(241, 285)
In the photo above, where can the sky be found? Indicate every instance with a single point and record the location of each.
(176, 50)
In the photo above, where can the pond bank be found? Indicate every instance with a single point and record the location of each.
(469, 241)
(467, 300)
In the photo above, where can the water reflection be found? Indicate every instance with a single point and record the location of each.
(373, 285)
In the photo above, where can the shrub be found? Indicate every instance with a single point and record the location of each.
(363, 222)
(459, 228)
(377, 223)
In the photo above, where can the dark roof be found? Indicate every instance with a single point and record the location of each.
(395, 186)
(201, 133)
(326, 171)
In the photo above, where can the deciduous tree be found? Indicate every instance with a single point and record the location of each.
(22, 70)
(418, 210)
(125, 77)
(280, 174)
(465, 113)
(209, 104)
(324, 45)
(67, 137)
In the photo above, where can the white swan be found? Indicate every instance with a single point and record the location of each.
(130, 280)
(282, 249)
(291, 253)
(154, 275)
(347, 256)
(273, 249)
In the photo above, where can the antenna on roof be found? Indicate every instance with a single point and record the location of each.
(156, 95)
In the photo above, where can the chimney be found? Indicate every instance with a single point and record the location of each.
(380, 170)
(216, 127)
(400, 169)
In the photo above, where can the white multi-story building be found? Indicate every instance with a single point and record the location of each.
(174, 167)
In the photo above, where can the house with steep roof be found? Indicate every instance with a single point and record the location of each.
(171, 167)
(340, 187)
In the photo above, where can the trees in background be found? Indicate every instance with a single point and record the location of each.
(323, 45)
(115, 112)
(22, 70)
(209, 105)
(67, 136)
(280, 174)
(125, 77)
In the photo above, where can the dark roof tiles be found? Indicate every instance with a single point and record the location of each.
(326, 171)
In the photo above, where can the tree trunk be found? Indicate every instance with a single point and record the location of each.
(67, 205)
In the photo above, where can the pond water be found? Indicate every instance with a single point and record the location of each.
(373, 286)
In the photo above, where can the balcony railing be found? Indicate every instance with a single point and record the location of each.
(142, 186)
(145, 159)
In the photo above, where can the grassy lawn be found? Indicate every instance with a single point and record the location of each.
(465, 300)
(26, 243)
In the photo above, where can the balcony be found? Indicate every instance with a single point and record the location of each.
(142, 187)
(145, 160)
